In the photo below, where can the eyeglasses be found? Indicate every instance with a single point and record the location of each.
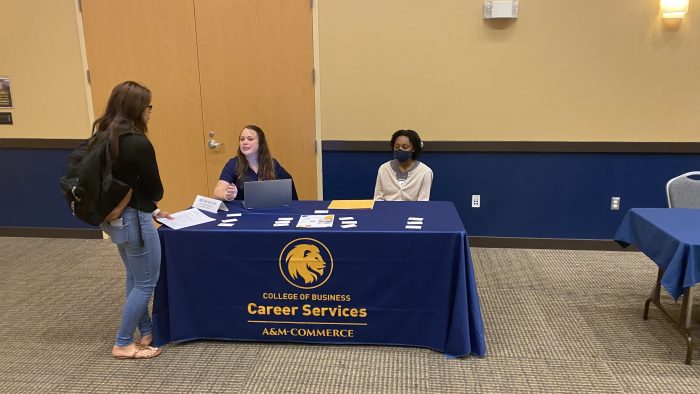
(150, 107)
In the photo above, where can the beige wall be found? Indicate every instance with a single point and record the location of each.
(41, 54)
(566, 70)
(593, 70)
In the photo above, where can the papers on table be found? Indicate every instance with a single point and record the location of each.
(230, 222)
(414, 223)
(282, 222)
(182, 219)
(194, 216)
(315, 221)
(351, 204)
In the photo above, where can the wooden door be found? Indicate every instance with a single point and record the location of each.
(256, 62)
(254, 59)
(153, 42)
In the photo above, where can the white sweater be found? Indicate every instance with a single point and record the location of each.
(416, 186)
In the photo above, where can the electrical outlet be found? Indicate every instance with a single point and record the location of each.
(615, 204)
(476, 200)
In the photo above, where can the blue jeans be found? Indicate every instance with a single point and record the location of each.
(142, 265)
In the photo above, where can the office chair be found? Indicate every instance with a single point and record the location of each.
(683, 191)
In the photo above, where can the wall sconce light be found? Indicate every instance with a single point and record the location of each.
(674, 9)
(494, 9)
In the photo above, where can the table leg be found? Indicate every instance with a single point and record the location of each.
(686, 321)
(655, 295)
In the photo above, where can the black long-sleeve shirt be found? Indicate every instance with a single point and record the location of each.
(137, 166)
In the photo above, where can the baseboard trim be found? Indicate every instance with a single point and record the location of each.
(51, 232)
(548, 243)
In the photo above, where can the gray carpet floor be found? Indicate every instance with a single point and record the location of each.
(555, 321)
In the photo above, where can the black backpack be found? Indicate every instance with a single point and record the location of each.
(90, 188)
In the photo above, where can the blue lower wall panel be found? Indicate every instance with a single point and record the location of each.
(534, 195)
(31, 196)
(538, 195)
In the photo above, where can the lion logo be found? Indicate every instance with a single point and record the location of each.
(303, 265)
(305, 261)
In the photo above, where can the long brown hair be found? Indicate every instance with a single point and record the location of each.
(266, 167)
(123, 113)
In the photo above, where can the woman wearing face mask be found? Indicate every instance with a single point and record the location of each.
(253, 162)
(404, 178)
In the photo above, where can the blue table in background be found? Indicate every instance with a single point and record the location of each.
(670, 237)
(378, 283)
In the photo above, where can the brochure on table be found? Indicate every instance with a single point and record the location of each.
(315, 221)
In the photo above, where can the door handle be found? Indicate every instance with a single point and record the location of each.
(213, 144)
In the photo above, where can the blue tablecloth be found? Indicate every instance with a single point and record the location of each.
(378, 283)
(670, 238)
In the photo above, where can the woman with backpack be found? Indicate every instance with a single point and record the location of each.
(124, 125)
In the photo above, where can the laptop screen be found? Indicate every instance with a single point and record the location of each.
(267, 194)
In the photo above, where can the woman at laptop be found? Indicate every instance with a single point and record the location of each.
(253, 162)
(404, 178)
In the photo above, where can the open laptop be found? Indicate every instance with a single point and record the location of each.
(267, 194)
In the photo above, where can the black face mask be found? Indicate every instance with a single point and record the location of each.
(402, 155)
